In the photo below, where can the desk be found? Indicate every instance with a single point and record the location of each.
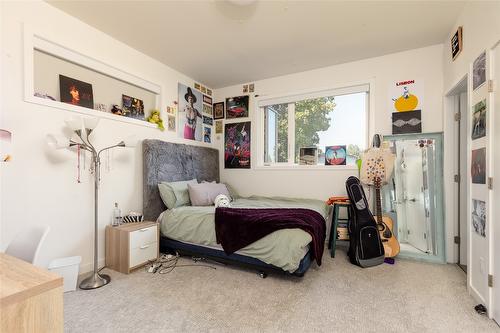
(31, 299)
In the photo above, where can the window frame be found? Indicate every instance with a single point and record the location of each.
(291, 98)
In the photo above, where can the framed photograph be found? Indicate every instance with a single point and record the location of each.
(237, 151)
(197, 86)
(132, 107)
(171, 123)
(219, 110)
(209, 92)
(207, 109)
(237, 107)
(479, 217)
(203, 89)
(335, 155)
(76, 92)
(251, 87)
(207, 134)
(479, 71)
(308, 156)
(218, 127)
(245, 88)
(456, 43)
(407, 122)
(479, 120)
(478, 166)
(207, 99)
(189, 113)
(208, 120)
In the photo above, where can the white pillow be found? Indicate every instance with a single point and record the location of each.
(204, 194)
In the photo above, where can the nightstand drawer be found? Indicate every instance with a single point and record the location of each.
(143, 236)
(143, 253)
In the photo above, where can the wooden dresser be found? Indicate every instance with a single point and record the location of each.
(31, 299)
(131, 245)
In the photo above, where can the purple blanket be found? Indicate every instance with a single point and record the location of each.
(236, 228)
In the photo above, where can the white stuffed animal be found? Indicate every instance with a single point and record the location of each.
(222, 201)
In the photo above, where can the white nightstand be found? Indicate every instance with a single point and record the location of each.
(131, 245)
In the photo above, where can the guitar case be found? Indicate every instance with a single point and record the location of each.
(365, 246)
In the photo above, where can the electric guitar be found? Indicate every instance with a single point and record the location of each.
(385, 225)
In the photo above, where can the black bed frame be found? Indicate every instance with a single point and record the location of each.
(167, 161)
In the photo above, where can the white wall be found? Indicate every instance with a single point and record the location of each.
(39, 186)
(481, 30)
(424, 64)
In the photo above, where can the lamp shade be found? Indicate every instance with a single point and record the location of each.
(74, 123)
(57, 141)
(90, 123)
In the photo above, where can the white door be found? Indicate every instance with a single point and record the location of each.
(495, 222)
(414, 197)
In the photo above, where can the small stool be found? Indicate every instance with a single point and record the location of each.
(332, 239)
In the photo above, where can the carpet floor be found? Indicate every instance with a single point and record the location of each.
(336, 297)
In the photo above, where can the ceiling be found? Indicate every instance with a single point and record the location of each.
(220, 43)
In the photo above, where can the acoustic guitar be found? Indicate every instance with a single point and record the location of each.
(385, 225)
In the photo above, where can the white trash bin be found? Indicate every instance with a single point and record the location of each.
(68, 268)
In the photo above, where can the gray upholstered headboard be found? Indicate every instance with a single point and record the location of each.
(167, 161)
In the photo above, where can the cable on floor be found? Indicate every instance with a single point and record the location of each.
(166, 263)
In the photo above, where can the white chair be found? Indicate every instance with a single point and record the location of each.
(26, 245)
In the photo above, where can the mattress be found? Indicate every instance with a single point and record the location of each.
(283, 248)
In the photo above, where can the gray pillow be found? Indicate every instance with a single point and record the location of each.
(232, 192)
(175, 194)
(204, 194)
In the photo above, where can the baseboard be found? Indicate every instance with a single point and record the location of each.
(476, 295)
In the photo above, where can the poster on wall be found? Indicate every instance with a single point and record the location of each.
(207, 134)
(479, 217)
(479, 120)
(189, 113)
(479, 71)
(237, 107)
(218, 110)
(237, 145)
(218, 127)
(335, 155)
(208, 120)
(171, 123)
(478, 166)
(76, 92)
(132, 107)
(406, 95)
(407, 122)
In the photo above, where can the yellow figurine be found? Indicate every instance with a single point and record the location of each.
(154, 118)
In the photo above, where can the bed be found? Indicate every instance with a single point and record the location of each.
(190, 230)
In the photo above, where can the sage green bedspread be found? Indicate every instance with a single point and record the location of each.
(283, 248)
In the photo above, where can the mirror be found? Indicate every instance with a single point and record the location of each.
(413, 197)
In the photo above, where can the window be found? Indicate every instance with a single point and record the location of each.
(316, 120)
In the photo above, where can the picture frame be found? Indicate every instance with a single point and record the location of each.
(207, 99)
(237, 107)
(218, 127)
(218, 109)
(479, 120)
(456, 43)
(308, 156)
(237, 145)
(335, 155)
